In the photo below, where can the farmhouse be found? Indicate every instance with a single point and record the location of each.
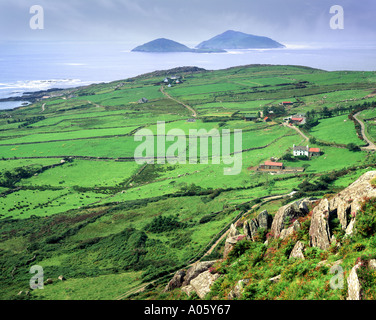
(300, 151)
(297, 120)
(314, 152)
(267, 119)
(287, 103)
(270, 165)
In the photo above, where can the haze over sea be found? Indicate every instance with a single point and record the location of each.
(33, 66)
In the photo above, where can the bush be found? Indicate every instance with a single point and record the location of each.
(365, 224)
(164, 224)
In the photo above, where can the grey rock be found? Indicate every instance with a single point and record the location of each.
(353, 284)
(196, 269)
(372, 264)
(345, 203)
(176, 281)
(238, 290)
(289, 231)
(289, 212)
(297, 252)
(188, 290)
(275, 279)
(203, 283)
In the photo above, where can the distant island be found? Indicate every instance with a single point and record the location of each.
(166, 45)
(239, 40)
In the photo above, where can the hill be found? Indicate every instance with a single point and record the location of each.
(239, 40)
(162, 45)
(166, 45)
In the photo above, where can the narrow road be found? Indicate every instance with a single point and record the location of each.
(43, 107)
(297, 130)
(253, 207)
(371, 145)
(194, 113)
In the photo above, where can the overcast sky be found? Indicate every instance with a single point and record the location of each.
(187, 21)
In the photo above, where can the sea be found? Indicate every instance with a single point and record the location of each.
(29, 66)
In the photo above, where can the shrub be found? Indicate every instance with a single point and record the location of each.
(365, 224)
(164, 224)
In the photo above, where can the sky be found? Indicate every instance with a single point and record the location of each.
(187, 21)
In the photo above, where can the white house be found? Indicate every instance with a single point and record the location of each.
(301, 151)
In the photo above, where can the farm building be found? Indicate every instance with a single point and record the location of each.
(270, 165)
(267, 119)
(300, 151)
(287, 103)
(314, 152)
(298, 120)
(143, 100)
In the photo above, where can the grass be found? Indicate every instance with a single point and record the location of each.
(339, 130)
(87, 219)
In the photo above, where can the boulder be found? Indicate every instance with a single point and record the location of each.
(195, 270)
(289, 212)
(264, 220)
(343, 205)
(353, 284)
(203, 283)
(229, 245)
(289, 231)
(319, 230)
(236, 293)
(372, 264)
(297, 252)
(176, 281)
(233, 231)
(250, 229)
(275, 279)
(188, 290)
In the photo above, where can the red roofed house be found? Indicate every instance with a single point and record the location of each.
(267, 119)
(313, 152)
(287, 103)
(297, 120)
(270, 165)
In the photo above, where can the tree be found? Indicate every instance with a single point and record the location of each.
(353, 147)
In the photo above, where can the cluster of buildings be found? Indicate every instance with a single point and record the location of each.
(305, 151)
(275, 166)
(173, 80)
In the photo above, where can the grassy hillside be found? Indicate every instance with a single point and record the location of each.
(74, 201)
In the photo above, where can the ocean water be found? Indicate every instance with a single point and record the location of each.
(32, 66)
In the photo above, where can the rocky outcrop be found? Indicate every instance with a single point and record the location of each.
(288, 213)
(353, 284)
(232, 238)
(289, 231)
(297, 252)
(182, 278)
(176, 281)
(195, 270)
(263, 220)
(203, 282)
(319, 230)
(344, 205)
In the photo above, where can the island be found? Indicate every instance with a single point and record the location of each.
(165, 45)
(238, 40)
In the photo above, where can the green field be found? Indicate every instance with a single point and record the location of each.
(110, 225)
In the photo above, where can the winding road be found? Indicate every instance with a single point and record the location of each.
(194, 113)
(297, 130)
(371, 145)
